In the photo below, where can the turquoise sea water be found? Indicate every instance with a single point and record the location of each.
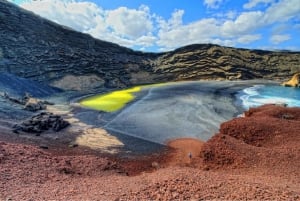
(269, 94)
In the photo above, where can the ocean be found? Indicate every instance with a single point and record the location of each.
(269, 94)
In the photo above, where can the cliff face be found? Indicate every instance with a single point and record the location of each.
(217, 62)
(36, 48)
(33, 47)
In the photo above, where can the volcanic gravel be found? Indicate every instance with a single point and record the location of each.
(256, 157)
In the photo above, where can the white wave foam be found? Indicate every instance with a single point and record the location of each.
(248, 93)
(253, 91)
(252, 97)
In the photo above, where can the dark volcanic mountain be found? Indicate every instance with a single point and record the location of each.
(36, 48)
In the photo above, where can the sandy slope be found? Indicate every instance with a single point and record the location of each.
(252, 158)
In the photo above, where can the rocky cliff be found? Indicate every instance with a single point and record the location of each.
(217, 62)
(36, 48)
(293, 82)
(33, 47)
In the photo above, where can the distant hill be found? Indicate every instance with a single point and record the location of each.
(36, 48)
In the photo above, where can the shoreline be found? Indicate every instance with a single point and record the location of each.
(87, 119)
(218, 97)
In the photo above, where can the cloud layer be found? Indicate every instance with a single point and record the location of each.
(140, 28)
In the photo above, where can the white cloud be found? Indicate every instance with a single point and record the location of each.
(279, 28)
(224, 42)
(201, 31)
(130, 22)
(279, 38)
(282, 11)
(174, 22)
(80, 16)
(246, 39)
(248, 22)
(128, 27)
(254, 3)
(212, 3)
(146, 41)
(141, 28)
(245, 23)
(241, 29)
(231, 14)
(276, 48)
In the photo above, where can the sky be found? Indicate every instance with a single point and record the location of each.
(155, 26)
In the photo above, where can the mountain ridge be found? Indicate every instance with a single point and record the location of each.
(36, 48)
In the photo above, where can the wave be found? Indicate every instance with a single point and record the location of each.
(247, 94)
(258, 95)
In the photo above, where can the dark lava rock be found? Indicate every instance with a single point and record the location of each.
(73, 145)
(34, 105)
(38, 49)
(42, 146)
(18, 86)
(13, 99)
(30, 104)
(41, 122)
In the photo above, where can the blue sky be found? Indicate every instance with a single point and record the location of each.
(152, 25)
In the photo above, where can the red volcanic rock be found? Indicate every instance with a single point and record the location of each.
(267, 135)
(252, 158)
(263, 126)
(262, 150)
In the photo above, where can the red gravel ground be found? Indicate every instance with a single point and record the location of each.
(252, 158)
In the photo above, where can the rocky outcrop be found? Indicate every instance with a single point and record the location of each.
(294, 82)
(34, 105)
(79, 83)
(36, 48)
(21, 101)
(267, 135)
(41, 122)
(29, 103)
(220, 63)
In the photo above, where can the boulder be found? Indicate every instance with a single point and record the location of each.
(294, 82)
(41, 122)
(34, 105)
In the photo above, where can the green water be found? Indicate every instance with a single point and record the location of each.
(116, 100)
(112, 101)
